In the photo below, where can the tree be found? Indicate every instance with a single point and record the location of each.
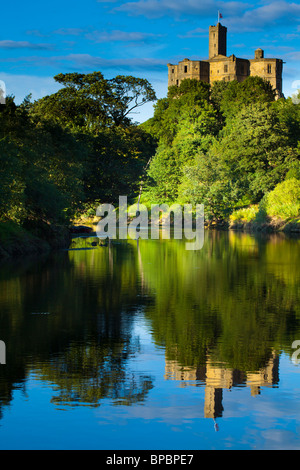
(11, 181)
(90, 102)
(41, 167)
(128, 94)
(115, 162)
(251, 155)
(234, 96)
(283, 201)
(169, 112)
(255, 150)
(205, 181)
(288, 114)
(195, 132)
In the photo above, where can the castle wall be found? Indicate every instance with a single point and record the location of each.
(242, 69)
(192, 69)
(268, 69)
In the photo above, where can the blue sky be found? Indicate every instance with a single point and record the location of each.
(41, 39)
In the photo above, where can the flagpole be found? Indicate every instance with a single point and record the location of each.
(218, 16)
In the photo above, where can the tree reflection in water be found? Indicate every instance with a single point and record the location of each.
(223, 315)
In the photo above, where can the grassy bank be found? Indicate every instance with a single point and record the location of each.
(268, 224)
(279, 210)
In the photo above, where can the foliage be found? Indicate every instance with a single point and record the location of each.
(90, 102)
(294, 171)
(254, 151)
(115, 163)
(246, 214)
(284, 201)
(41, 166)
(71, 148)
(233, 96)
(224, 147)
(169, 112)
(185, 126)
(227, 145)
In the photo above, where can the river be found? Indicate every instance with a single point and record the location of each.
(146, 345)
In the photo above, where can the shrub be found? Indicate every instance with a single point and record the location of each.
(284, 201)
(246, 214)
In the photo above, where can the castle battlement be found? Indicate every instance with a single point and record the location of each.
(221, 67)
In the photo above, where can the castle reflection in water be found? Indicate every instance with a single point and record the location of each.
(215, 378)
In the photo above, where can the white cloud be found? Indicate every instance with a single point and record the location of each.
(195, 33)
(69, 31)
(159, 8)
(269, 15)
(89, 61)
(122, 36)
(237, 15)
(9, 44)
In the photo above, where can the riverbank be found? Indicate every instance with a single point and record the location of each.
(274, 225)
(263, 225)
(16, 241)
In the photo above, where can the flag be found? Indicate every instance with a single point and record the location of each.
(220, 15)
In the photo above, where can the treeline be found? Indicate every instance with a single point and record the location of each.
(71, 149)
(227, 146)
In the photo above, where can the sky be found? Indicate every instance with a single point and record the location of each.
(39, 40)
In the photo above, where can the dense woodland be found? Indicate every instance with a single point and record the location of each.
(66, 152)
(227, 146)
(231, 146)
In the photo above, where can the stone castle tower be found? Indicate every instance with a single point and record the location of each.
(220, 67)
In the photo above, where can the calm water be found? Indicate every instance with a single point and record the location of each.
(150, 346)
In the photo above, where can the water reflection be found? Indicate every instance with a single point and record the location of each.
(223, 316)
(217, 378)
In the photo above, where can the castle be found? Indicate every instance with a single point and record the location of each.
(220, 67)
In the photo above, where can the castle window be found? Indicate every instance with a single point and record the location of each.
(225, 68)
(172, 70)
(185, 69)
(269, 68)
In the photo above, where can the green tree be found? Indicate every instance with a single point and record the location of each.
(255, 150)
(195, 132)
(169, 112)
(90, 102)
(251, 155)
(11, 182)
(41, 171)
(236, 95)
(283, 201)
(115, 163)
